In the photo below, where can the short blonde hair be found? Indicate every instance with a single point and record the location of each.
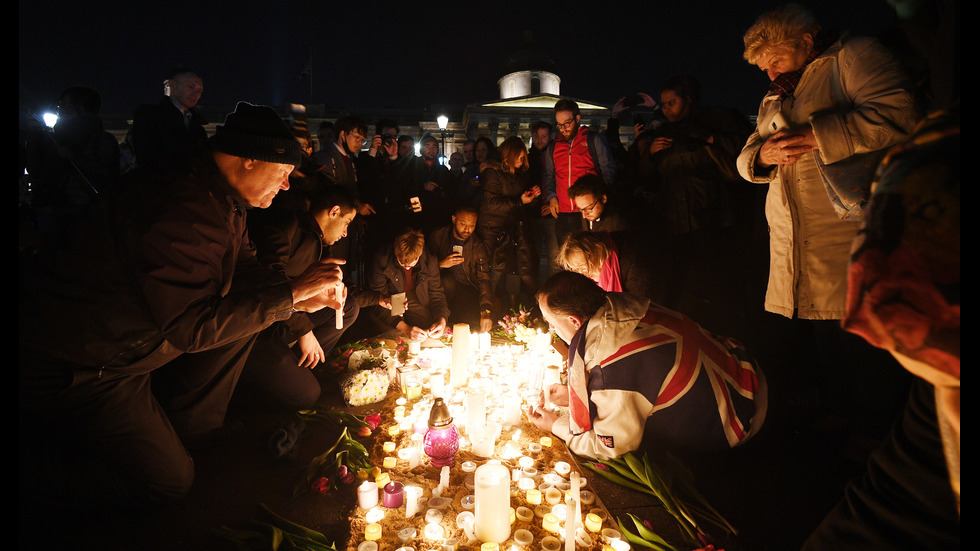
(781, 29)
(408, 246)
(591, 245)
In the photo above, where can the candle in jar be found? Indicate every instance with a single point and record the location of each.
(372, 532)
(367, 494)
(492, 508)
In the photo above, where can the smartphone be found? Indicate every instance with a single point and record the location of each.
(397, 304)
(416, 204)
(458, 249)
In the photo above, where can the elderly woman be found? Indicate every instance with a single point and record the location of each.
(832, 98)
(834, 101)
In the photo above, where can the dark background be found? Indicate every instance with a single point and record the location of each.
(396, 54)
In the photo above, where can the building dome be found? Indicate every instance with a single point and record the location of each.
(528, 71)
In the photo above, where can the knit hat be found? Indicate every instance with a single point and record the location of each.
(257, 132)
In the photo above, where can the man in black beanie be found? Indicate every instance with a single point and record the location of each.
(134, 335)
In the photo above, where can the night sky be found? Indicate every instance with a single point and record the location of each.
(396, 54)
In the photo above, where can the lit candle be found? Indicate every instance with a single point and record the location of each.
(399, 412)
(484, 342)
(546, 441)
(433, 516)
(437, 383)
(367, 494)
(375, 514)
(490, 546)
(434, 531)
(382, 479)
(534, 496)
(461, 355)
(593, 522)
(492, 510)
(388, 447)
(372, 532)
(443, 480)
(389, 462)
(394, 495)
(394, 430)
(415, 347)
(552, 495)
(550, 523)
(469, 466)
(476, 408)
(562, 468)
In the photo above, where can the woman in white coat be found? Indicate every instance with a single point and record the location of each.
(835, 100)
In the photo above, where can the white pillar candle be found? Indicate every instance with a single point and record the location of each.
(484, 342)
(367, 494)
(415, 347)
(412, 495)
(476, 408)
(461, 355)
(443, 482)
(340, 311)
(437, 383)
(492, 509)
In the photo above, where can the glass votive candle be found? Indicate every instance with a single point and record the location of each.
(388, 447)
(593, 522)
(372, 532)
(534, 496)
(550, 523)
(524, 514)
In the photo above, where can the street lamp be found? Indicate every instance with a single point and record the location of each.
(443, 122)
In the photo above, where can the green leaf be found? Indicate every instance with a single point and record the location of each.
(646, 533)
(635, 539)
(617, 479)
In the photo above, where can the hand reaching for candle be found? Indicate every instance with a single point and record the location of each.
(412, 332)
(437, 329)
(540, 417)
(558, 394)
(311, 353)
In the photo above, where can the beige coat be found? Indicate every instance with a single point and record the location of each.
(864, 106)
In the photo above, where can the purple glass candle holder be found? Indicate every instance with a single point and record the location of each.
(394, 495)
(441, 441)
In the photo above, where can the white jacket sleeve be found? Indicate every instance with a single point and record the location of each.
(617, 429)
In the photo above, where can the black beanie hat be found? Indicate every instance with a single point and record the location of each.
(257, 132)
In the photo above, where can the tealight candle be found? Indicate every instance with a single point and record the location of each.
(468, 502)
(434, 531)
(465, 520)
(433, 516)
(450, 544)
(406, 534)
(524, 514)
(550, 522)
(534, 447)
(375, 514)
(525, 483)
(550, 543)
(588, 498)
(468, 466)
(382, 479)
(439, 503)
(394, 430)
(389, 462)
(611, 534)
(372, 532)
(368, 546)
(552, 495)
(593, 523)
(562, 468)
(534, 496)
(399, 412)
(388, 447)
(541, 510)
(523, 537)
(545, 441)
(525, 462)
(490, 546)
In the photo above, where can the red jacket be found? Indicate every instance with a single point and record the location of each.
(570, 161)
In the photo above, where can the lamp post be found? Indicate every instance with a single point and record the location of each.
(443, 121)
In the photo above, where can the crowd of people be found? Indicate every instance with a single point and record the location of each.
(162, 273)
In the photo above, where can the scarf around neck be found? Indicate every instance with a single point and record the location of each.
(785, 84)
(609, 273)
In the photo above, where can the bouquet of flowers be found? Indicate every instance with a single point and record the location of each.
(520, 326)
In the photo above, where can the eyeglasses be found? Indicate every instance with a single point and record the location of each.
(567, 124)
(588, 209)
